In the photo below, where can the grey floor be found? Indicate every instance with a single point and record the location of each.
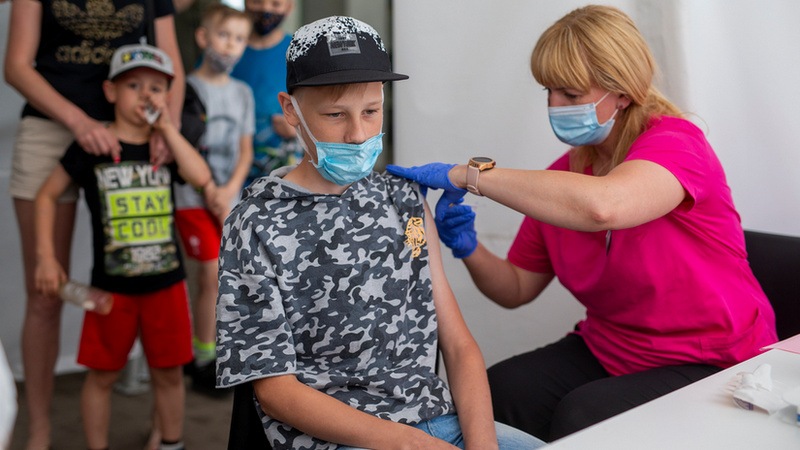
(206, 426)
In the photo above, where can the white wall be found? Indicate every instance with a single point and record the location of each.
(735, 64)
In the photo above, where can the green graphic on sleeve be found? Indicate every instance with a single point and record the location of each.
(138, 219)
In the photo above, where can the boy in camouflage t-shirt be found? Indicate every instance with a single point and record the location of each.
(333, 299)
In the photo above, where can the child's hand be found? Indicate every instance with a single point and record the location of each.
(282, 127)
(155, 113)
(49, 276)
(219, 200)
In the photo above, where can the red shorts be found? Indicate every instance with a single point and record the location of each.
(200, 232)
(160, 319)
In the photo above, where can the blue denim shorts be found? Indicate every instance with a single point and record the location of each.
(448, 429)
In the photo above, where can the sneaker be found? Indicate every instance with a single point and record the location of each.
(204, 380)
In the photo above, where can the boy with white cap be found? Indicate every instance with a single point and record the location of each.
(333, 299)
(136, 256)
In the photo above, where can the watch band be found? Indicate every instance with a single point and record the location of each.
(473, 174)
(475, 166)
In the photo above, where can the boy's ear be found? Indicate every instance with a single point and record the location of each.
(201, 37)
(288, 109)
(109, 91)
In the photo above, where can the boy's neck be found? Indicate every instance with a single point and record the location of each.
(130, 133)
(307, 176)
(206, 74)
(264, 42)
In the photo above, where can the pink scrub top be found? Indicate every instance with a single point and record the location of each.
(676, 290)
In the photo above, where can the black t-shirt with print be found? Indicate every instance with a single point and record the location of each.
(77, 40)
(133, 227)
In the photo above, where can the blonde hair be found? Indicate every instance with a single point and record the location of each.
(600, 45)
(216, 13)
(334, 91)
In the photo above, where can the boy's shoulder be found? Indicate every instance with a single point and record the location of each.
(256, 47)
(398, 183)
(201, 84)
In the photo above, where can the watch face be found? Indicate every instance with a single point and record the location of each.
(481, 159)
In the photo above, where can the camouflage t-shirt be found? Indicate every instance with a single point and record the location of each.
(335, 290)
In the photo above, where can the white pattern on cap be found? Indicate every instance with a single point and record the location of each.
(306, 37)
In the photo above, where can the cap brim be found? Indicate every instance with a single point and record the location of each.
(351, 76)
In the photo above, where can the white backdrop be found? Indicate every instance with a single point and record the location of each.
(735, 64)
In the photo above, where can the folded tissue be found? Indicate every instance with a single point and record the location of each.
(754, 390)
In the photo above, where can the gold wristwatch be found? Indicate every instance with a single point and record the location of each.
(476, 165)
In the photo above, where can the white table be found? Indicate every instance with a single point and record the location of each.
(699, 416)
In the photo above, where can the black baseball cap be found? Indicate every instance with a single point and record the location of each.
(337, 50)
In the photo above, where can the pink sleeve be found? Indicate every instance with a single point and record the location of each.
(680, 147)
(528, 250)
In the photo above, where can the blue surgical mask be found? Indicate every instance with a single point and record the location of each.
(339, 162)
(577, 125)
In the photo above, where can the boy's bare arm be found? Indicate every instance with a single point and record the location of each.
(219, 202)
(191, 166)
(243, 164)
(49, 274)
(287, 400)
(466, 368)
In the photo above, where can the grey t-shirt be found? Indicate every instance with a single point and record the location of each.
(335, 290)
(230, 116)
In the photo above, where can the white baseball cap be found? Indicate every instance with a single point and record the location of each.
(129, 57)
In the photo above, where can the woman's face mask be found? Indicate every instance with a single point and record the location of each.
(342, 163)
(577, 125)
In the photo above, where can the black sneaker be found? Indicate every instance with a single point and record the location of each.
(204, 380)
(189, 368)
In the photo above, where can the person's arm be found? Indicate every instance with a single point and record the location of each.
(633, 193)
(466, 369)
(23, 42)
(498, 279)
(502, 282)
(191, 166)
(49, 274)
(287, 400)
(182, 5)
(167, 41)
(282, 127)
(224, 194)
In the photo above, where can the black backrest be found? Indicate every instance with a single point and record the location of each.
(775, 260)
(246, 431)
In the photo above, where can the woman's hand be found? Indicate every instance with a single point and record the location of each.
(455, 223)
(96, 139)
(434, 175)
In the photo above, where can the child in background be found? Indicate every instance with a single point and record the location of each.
(263, 67)
(136, 255)
(227, 146)
(333, 299)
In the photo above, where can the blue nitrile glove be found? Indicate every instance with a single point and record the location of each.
(456, 226)
(433, 175)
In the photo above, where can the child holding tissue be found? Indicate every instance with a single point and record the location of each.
(135, 252)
